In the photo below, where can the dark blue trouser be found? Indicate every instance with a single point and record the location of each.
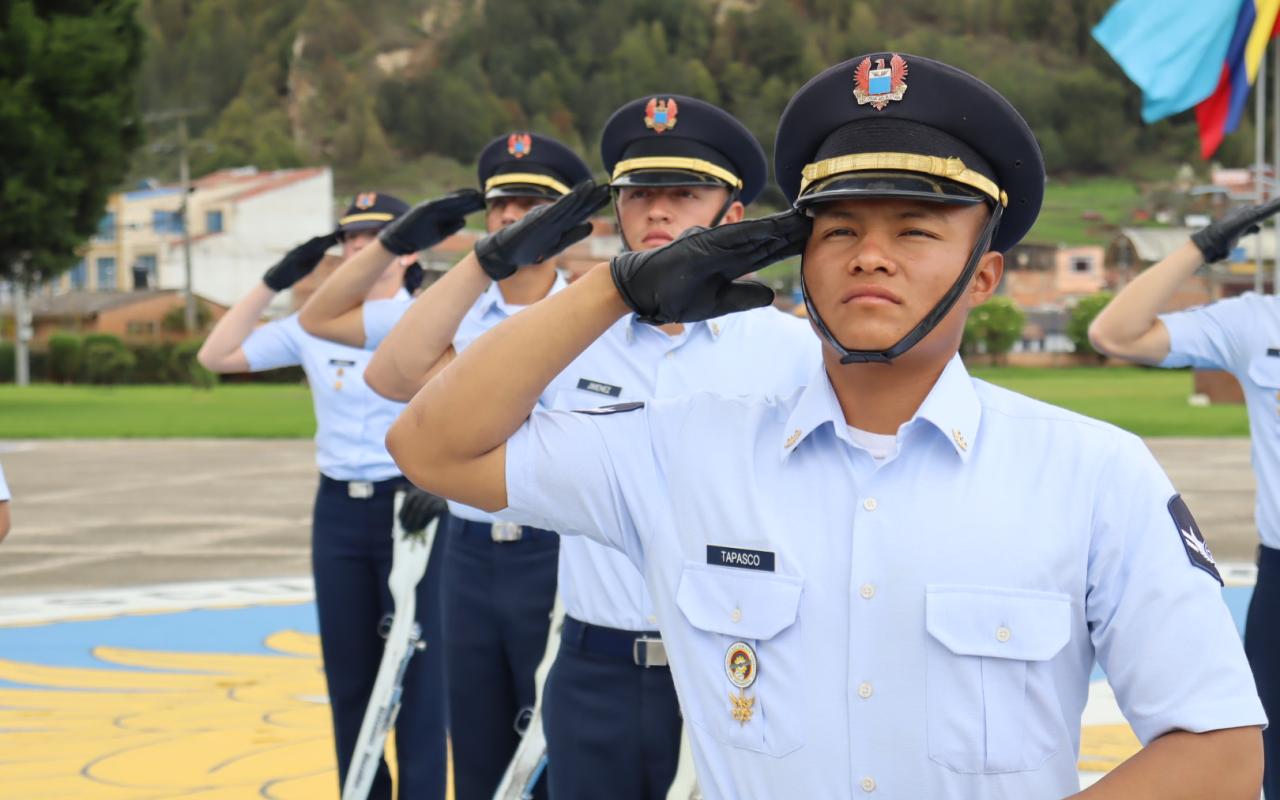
(351, 559)
(1262, 646)
(612, 727)
(498, 598)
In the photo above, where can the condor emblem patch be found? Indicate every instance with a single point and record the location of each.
(1192, 539)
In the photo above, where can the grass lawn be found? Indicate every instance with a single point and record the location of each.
(1064, 201)
(1147, 402)
(233, 410)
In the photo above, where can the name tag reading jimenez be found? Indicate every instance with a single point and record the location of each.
(738, 557)
(599, 388)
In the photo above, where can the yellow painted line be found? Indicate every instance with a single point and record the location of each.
(202, 662)
(295, 643)
(1104, 747)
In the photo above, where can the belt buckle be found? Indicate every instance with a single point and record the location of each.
(360, 490)
(648, 652)
(505, 532)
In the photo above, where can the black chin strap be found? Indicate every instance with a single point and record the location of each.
(930, 321)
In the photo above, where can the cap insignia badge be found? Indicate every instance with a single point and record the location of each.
(366, 200)
(660, 115)
(741, 665)
(880, 86)
(519, 144)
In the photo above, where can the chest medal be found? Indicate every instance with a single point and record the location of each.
(742, 666)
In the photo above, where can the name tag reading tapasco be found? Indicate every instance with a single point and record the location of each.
(599, 388)
(1274, 352)
(341, 362)
(740, 558)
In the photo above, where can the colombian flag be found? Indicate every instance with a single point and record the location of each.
(1220, 113)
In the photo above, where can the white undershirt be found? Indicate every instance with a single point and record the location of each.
(879, 445)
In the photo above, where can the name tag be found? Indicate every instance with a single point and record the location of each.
(599, 388)
(1274, 352)
(741, 558)
(341, 362)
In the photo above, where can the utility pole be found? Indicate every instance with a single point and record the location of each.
(1260, 163)
(21, 328)
(184, 178)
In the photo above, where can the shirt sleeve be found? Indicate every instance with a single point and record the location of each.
(581, 472)
(380, 316)
(4, 488)
(1161, 631)
(274, 345)
(1213, 336)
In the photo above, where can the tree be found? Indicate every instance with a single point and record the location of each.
(1081, 317)
(994, 327)
(67, 109)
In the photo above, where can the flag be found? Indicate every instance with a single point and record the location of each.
(1172, 49)
(1220, 113)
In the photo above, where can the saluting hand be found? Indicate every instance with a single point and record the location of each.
(695, 277)
(419, 508)
(430, 222)
(1218, 239)
(298, 262)
(541, 233)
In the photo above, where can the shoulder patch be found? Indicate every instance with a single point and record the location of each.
(1192, 539)
(616, 408)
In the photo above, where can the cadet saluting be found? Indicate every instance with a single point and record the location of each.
(351, 530)
(1240, 335)
(939, 561)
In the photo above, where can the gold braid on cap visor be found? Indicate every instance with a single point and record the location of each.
(953, 169)
(527, 179)
(376, 216)
(677, 162)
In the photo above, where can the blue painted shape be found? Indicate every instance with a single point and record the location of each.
(879, 84)
(228, 630)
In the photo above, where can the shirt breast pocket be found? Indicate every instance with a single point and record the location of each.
(1265, 372)
(727, 606)
(991, 701)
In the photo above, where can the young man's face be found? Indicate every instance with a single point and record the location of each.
(652, 216)
(875, 268)
(355, 241)
(504, 211)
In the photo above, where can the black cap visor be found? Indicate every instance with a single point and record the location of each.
(521, 190)
(889, 184)
(666, 177)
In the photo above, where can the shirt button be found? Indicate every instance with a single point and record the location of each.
(653, 620)
(671, 354)
(870, 504)
(868, 784)
(1003, 634)
(867, 591)
(736, 616)
(864, 690)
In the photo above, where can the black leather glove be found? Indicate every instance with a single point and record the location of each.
(298, 262)
(694, 277)
(1218, 239)
(542, 233)
(413, 277)
(431, 222)
(419, 508)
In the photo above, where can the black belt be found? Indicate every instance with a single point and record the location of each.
(642, 648)
(501, 532)
(362, 490)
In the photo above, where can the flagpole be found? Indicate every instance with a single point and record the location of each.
(1260, 159)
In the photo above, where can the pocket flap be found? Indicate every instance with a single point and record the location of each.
(1265, 371)
(998, 623)
(741, 603)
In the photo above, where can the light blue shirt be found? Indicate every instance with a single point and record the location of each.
(760, 351)
(1242, 336)
(351, 419)
(931, 620)
(380, 316)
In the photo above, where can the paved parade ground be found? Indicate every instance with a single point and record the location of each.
(158, 639)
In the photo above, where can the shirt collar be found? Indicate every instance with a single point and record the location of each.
(952, 407)
(491, 301)
(715, 327)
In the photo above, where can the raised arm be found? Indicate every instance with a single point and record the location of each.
(333, 312)
(1129, 327)
(421, 343)
(1223, 764)
(451, 439)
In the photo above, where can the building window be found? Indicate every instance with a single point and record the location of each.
(1082, 264)
(136, 328)
(106, 274)
(166, 221)
(79, 275)
(107, 227)
(144, 272)
(213, 222)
